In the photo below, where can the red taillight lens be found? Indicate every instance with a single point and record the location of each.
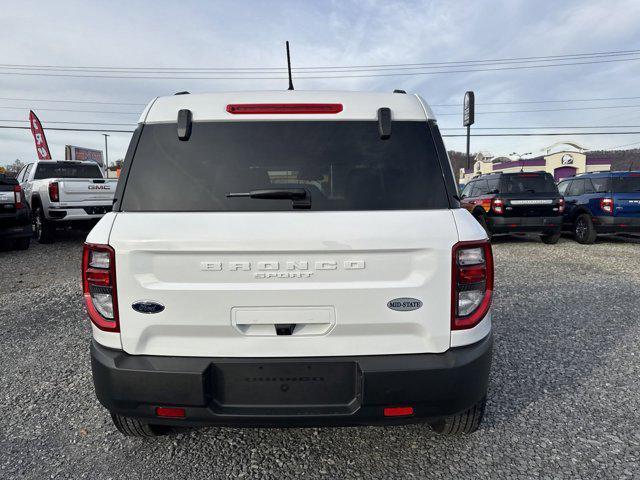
(54, 193)
(17, 191)
(498, 206)
(283, 108)
(398, 411)
(171, 412)
(561, 205)
(606, 205)
(99, 286)
(471, 283)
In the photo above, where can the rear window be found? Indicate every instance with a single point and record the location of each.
(628, 184)
(343, 165)
(5, 180)
(528, 183)
(62, 170)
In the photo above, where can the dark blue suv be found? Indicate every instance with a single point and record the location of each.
(601, 203)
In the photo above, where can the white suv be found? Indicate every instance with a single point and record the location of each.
(289, 258)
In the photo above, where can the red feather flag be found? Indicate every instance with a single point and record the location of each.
(38, 134)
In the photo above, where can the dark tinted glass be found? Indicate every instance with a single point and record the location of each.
(343, 165)
(528, 183)
(600, 184)
(494, 185)
(468, 188)
(629, 184)
(562, 187)
(588, 186)
(576, 188)
(481, 188)
(66, 170)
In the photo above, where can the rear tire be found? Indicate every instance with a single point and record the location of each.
(22, 243)
(134, 427)
(462, 423)
(550, 238)
(583, 230)
(43, 229)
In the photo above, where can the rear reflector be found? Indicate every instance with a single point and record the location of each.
(170, 412)
(398, 411)
(283, 108)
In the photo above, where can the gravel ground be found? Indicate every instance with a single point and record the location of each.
(564, 396)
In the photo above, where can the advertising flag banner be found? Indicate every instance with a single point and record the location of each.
(38, 134)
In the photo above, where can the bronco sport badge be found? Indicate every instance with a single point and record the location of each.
(404, 304)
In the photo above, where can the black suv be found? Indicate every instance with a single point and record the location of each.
(524, 202)
(15, 219)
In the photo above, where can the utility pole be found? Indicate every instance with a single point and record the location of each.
(106, 152)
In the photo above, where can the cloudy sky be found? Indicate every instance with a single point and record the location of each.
(241, 34)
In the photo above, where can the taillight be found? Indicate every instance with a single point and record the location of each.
(99, 286)
(17, 191)
(561, 205)
(471, 283)
(54, 193)
(606, 205)
(283, 108)
(498, 206)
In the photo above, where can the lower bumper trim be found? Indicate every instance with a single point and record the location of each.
(212, 391)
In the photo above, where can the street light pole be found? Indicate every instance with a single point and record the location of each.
(106, 152)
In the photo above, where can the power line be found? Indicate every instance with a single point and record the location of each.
(312, 77)
(69, 129)
(431, 104)
(625, 145)
(373, 68)
(540, 128)
(67, 110)
(74, 101)
(605, 107)
(548, 110)
(540, 134)
(74, 123)
(536, 101)
(282, 69)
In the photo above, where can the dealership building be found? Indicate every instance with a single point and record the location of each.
(562, 160)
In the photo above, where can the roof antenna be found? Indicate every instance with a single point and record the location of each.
(289, 67)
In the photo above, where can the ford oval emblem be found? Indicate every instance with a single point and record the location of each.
(404, 304)
(147, 306)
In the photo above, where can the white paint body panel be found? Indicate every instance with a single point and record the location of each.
(356, 106)
(201, 266)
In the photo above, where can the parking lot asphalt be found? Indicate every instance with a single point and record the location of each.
(564, 398)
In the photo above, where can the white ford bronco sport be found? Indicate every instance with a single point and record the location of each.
(289, 258)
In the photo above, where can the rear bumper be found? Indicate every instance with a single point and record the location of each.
(434, 385)
(73, 213)
(607, 224)
(16, 225)
(551, 224)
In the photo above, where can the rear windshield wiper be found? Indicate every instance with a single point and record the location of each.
(299, 197)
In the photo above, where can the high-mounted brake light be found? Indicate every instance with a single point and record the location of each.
(283, 108)
(471, 283)
(498, 206)
(606, 205)
(54, 192)
(17, 192)
(99, 286)
(561, 205)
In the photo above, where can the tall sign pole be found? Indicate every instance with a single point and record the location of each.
(468, 119)
(38, 135)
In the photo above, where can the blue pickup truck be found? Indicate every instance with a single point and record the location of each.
(601, 203)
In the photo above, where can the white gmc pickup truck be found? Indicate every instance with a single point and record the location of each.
(64, 191)
(289, 258)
